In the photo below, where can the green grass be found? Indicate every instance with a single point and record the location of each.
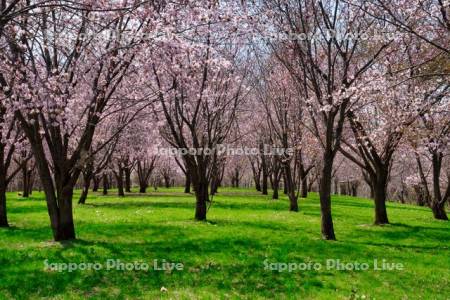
(223, 258)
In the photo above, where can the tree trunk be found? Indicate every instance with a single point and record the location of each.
(214, 186)
(187, 184)
(264, 171)
(86, 184)
(438, 203)
(105, 184)
(201, 195)
(325, 197)
(3, 215)
(275, 191)
(257, 184)
(380, 186)
(166, 181)
(96, 183)
(25, 181)
(127, 180)
(143, 188)
(439, 211)
(293, 202)
(30, 182)
(63, 227)
(119, 179)
(264, 182)
(304, 187)
(420, 194)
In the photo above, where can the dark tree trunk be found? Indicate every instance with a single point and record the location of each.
(143, 188)
(293, 201)
(96, 184)
(304, 187)
(290, 188)
(30, 182)
(325, 197)
(264, 182)
(3, 214)
(438, 203)
(420, 194)
(336, 186)
(380, 187)
(275, 195)
(119, 180)
(144, 171)
(202, 197)
(166, 181)
(198, 173)
(127, 180)
(63, 228)
(214, 186)
(25, 180)
(187, 184)
(354, 188)
(264, 169)
(257, 184)
(439, 212)
(105, 184)
(86, 184)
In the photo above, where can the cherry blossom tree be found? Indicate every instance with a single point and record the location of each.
(62, 85)
(431, 144)
(197, 77)
(328, 65)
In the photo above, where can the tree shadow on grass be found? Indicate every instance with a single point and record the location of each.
(395, 234)
(263, 205)
(30, 234)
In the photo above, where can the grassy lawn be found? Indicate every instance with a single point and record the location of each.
(223, 258)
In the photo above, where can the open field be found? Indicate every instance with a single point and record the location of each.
(223, 258)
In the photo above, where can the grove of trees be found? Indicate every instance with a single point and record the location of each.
(358, 91)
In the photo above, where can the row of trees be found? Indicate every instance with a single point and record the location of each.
(94, 88)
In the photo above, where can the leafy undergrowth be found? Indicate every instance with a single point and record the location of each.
(232, 256)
